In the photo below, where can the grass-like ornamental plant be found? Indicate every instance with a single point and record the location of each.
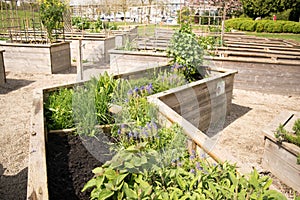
(283, 135)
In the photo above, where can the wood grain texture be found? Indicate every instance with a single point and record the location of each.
(281, 158)
(37, 188)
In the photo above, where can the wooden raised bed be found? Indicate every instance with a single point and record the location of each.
(200, 109)
(2, 69)
(218, 86)
(95, 46)
(37, 58)
(281, 158)
(121, 61)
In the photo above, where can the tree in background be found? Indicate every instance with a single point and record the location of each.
(265, 8)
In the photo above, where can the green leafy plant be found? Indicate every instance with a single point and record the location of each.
(58, 109)
(269, 26)
(51, 13)
(185, 50)
(283, 135)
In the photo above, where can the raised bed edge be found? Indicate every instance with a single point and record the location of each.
(281, 158)
(37, 188)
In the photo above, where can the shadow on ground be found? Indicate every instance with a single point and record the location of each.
(236, 112)
(13, 84)
(13, 187)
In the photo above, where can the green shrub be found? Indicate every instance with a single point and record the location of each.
(296, 28)
(269, 26)
(260, 25)
(288, 27)
(278, 27)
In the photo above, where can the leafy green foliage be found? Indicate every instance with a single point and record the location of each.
(81, 23)
(138, 176)
(185, 50)
(283, 135)
(265, 8)
(58, 109)
(84, 23)
(51, 13)
(184, 16)
(85, 106)
(269, 26)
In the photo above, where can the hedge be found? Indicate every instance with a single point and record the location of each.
(268, 26)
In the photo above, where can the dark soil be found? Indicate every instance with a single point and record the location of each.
(69, 167)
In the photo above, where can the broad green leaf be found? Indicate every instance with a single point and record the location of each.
(89, 184)
(110, 174)
(104, 194)
(120, 178)
(129, 192)
(98, 170)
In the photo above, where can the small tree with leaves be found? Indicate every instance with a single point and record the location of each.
(51, 13)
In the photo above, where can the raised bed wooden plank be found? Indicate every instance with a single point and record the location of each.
(262, 54)
(281, 158)
(37, 187)
(257, 46)
(282, 52)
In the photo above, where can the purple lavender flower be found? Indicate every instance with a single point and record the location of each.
(136, 89)
(119, 131)
(198, 166)
(179, 164)
(149, 88)
(192, 157)
(129, 93)
(192, 171)
(154, 125)
(193, 152)
(142, 88)
(130, 134)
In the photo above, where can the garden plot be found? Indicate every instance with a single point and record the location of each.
(38, 138)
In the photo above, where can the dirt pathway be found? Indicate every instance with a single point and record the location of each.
(15, 113)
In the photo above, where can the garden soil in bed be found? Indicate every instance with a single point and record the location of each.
(69, 166)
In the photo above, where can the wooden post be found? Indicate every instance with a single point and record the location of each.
(79, 61)
(223, 24)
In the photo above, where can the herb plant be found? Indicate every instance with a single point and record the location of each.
(185, 50)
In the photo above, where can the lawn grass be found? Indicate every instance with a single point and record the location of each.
(285, 36)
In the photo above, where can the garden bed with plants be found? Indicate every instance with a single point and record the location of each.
(282, 148)
(156, 162)
(140, 156)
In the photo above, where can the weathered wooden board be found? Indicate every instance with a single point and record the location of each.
(168, 116)
(37, 187)
(2, 68)
(264, 77)
(36, 58)
(281, 158)
(125, 61)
